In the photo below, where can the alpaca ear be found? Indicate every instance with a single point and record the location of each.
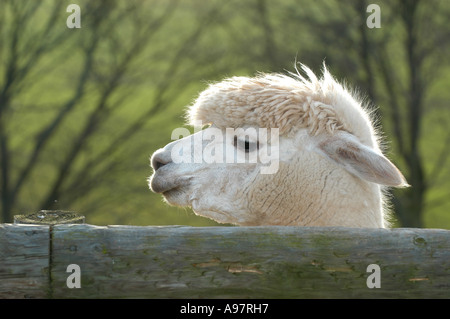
(346, 151)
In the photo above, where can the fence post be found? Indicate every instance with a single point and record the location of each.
(26, 253)
(50, 217)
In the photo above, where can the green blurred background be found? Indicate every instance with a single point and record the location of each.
(81, 110)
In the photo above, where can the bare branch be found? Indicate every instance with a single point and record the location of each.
(390, 86)
(44, 136)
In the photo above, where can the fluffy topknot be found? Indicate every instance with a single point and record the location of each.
(288, 102)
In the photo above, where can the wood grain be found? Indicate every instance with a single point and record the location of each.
(250, 262)
(24, 261)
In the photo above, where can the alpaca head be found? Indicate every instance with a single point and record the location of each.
(280, 150)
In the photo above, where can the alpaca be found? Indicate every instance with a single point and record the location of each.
(330, 170)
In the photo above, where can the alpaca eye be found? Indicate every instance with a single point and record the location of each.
(246, 145)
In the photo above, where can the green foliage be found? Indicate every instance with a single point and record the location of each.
(85, 108)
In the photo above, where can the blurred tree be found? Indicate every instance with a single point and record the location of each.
(109, 48)
(21, 51)
(424, 41)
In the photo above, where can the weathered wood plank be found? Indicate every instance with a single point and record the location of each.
(24, 261)
(250, 262)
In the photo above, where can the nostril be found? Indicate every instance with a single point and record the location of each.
(157, 165)
(159, 161)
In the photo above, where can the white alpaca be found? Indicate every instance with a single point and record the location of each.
(330, 170)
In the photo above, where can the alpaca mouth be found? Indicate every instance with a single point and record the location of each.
(160, 185)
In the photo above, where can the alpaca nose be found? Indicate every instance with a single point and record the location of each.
(160, 158)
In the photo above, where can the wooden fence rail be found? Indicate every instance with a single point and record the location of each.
(222, 262)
